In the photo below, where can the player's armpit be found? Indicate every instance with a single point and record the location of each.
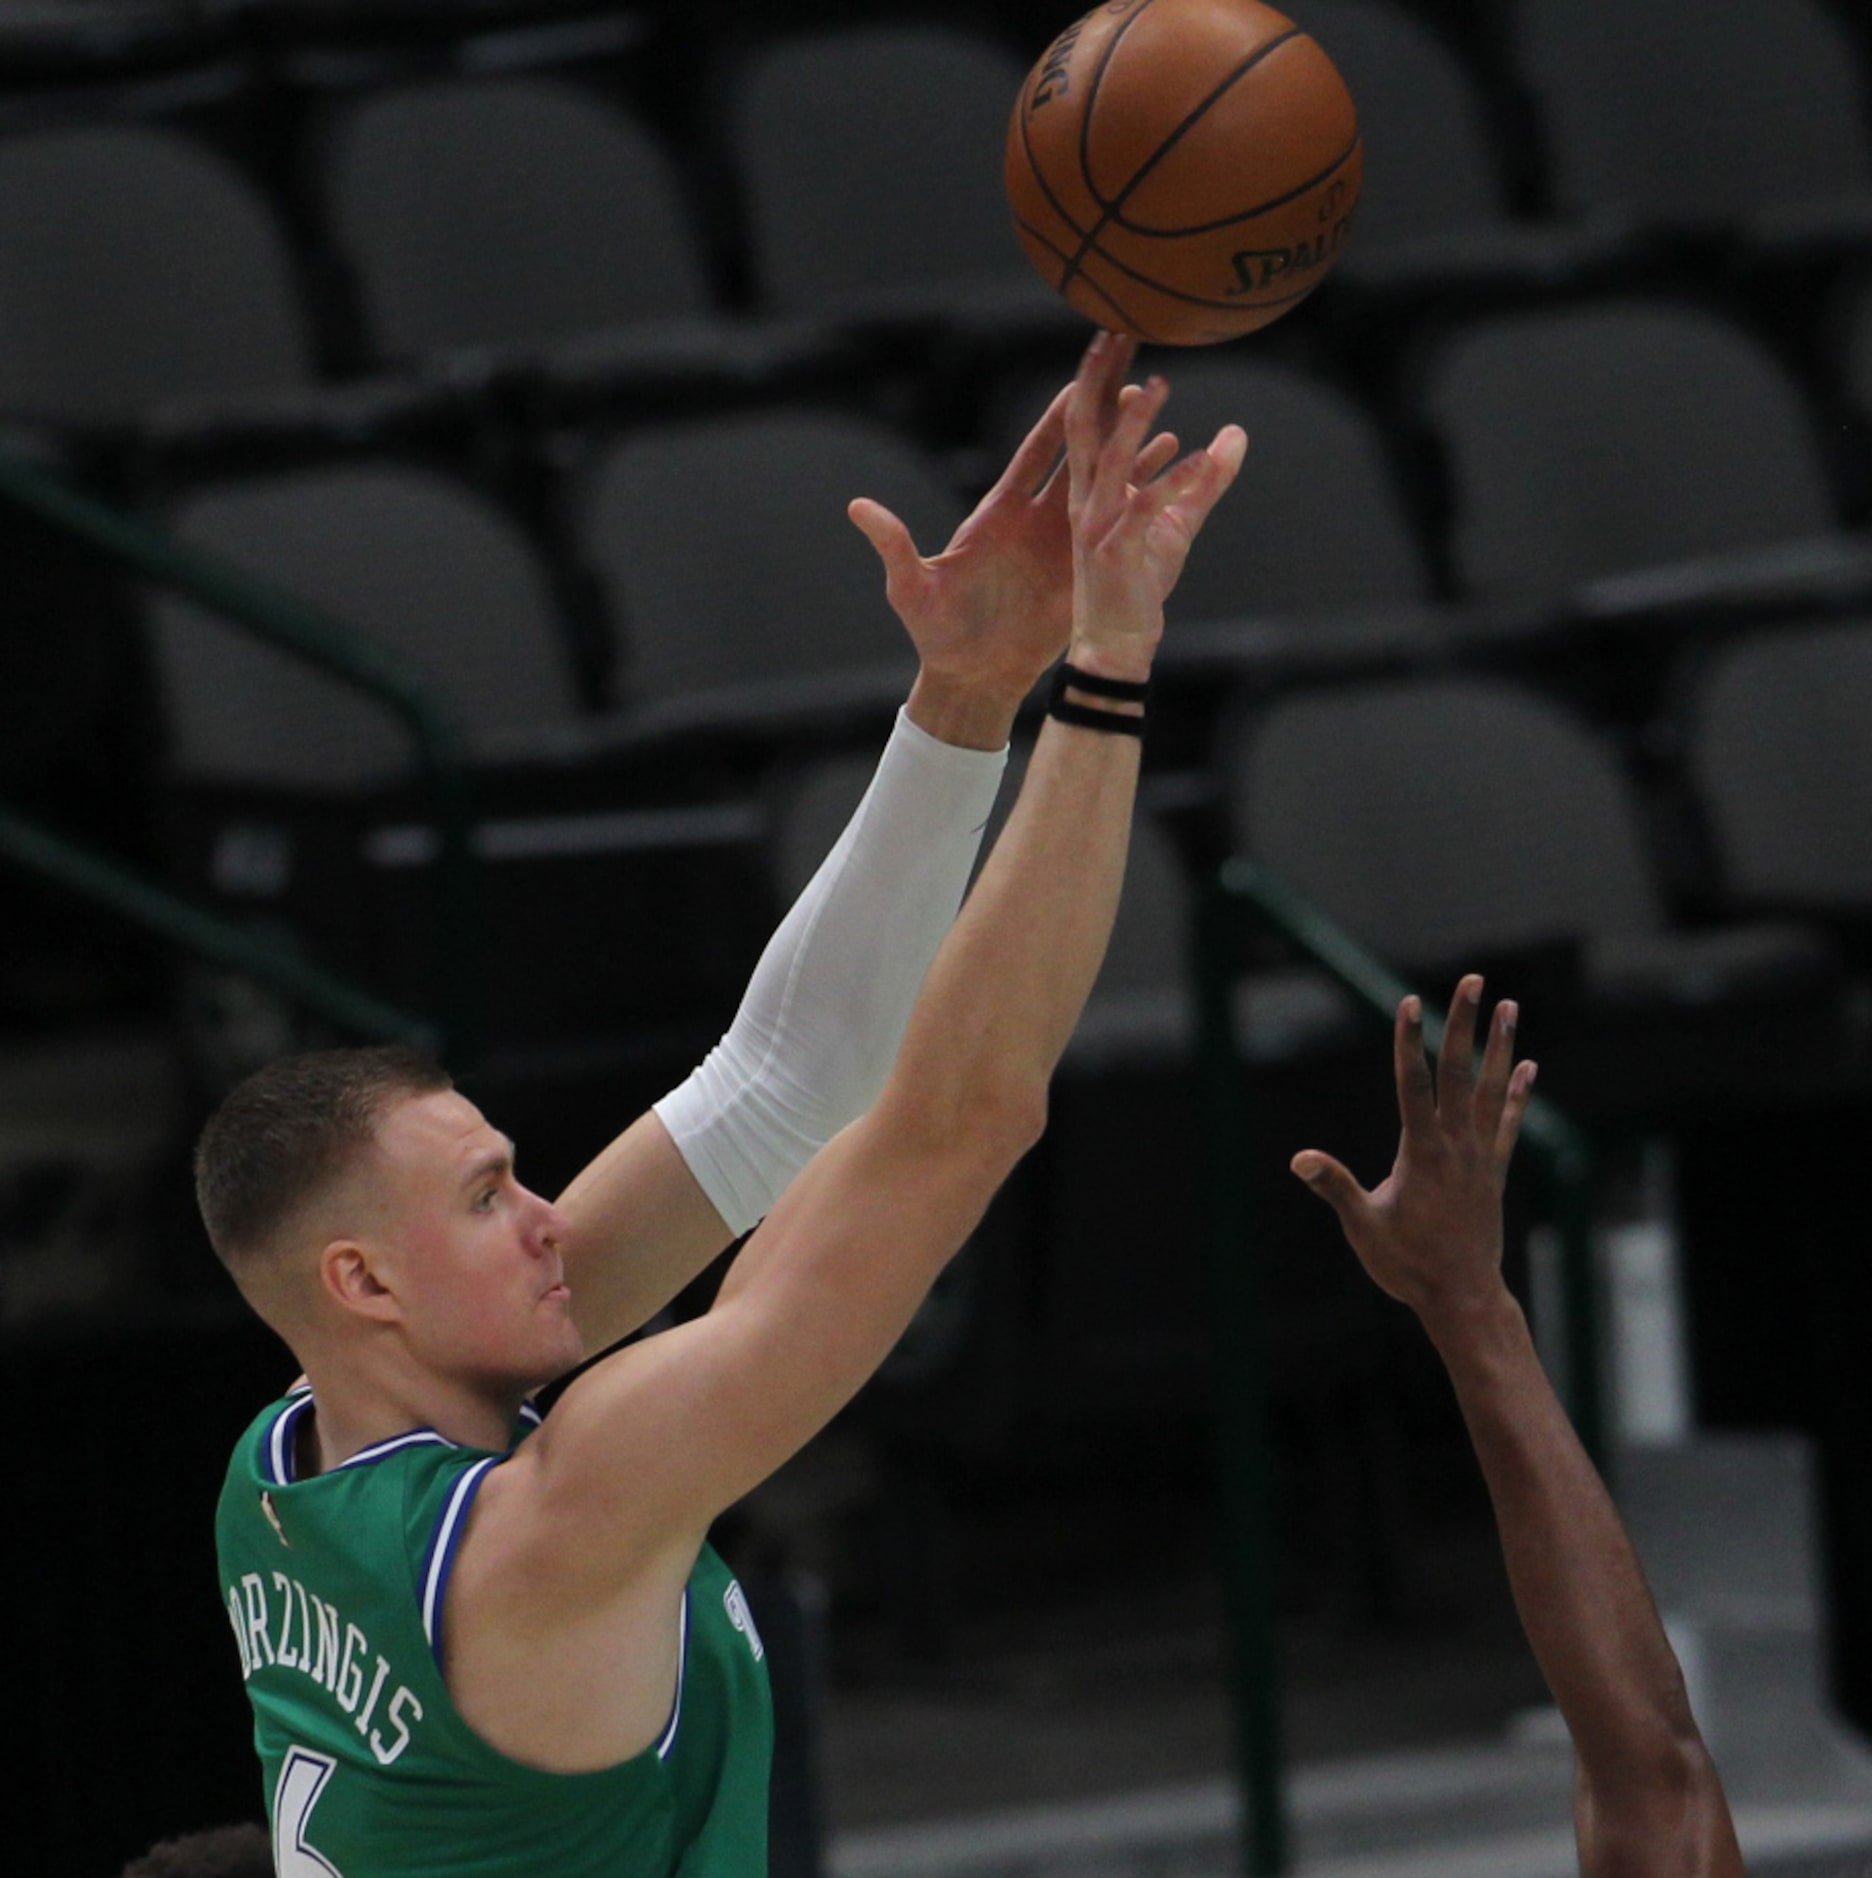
(644, 1450)
(642, 1228)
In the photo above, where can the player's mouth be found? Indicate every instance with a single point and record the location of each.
(561, 1291)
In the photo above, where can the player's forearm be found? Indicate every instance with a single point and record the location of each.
(819, 1028)
(1010, 981)
(1577, 1583)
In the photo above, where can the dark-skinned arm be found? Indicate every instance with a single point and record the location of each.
(1648, 1799)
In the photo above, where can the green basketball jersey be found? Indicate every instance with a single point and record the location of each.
(335, 1588)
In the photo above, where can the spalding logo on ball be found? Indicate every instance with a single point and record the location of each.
(1184, 170)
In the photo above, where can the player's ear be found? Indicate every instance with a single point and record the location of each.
(349, 1277)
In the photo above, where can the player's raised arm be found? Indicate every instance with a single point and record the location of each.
(596, 1520)
(815, 1036)
(1648, 1799)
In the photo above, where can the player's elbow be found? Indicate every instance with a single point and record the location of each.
(1650, 1811)
(988, 1120)
(1008, 1115)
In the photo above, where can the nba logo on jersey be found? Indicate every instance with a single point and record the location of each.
(734, 1601)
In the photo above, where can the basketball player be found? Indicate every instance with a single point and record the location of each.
(1647, 1799)
(473, 1652)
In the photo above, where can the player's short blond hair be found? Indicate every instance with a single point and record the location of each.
(286, 1133)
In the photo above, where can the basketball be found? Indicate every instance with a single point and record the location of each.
(1183, 170)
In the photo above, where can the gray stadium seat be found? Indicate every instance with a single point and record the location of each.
(870, 160)
(1696, 111)
(731, 569)
(290, 795)
(1315, 523)
(421, 564)
(1779, 754)
(1592, 440)
(1439, 817)
(137, 267)
(1431, 168)
(505, 212)
(1462, 821)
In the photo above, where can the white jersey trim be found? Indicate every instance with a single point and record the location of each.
(682, 1667)
(442, 1550)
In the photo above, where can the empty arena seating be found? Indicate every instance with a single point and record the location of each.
(1700, 112)
(137, 267)
(735, 584)
(870, 165)
(1778, 754)
(1597, 438)
(1454, 821)
(505, 213)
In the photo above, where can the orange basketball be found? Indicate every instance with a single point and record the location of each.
(1183, 170)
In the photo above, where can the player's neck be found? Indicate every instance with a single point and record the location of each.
(354, 1411)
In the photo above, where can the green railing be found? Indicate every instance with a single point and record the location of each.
(328, 645)
(157, 910)
(1241, 902)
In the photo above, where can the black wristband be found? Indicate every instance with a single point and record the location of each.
(1125, 690)
(1089, 717)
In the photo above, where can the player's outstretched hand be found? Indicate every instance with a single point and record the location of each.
(1131, 536)
(1430, 1233)
(995, 607)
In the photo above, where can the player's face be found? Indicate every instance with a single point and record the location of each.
(477, 1257)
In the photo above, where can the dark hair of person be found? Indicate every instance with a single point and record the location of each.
(226, 1852)
(289, 1130)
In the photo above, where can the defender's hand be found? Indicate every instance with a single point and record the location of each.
(1431, 1234)
(1131, 535)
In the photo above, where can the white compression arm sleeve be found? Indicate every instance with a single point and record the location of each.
(827, 1006)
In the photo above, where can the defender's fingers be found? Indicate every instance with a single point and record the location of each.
(1330, 1180)
(1416, 1099)
(1497, 1065)
(1508, 1129)
(1456, 1069)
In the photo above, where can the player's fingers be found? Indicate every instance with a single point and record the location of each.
(1456, 1072)
(1154, 458)
(1508, 1129)
(1415, 1094)
(1138, 406)
(1031, 467)
(888, 535)
(1497, 1064)
(1331, 1181)
(1088, 406)
(1197, 484)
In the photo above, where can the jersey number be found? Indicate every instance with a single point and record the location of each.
(301, 1780)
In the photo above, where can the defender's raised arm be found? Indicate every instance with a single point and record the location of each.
(1648, 1799)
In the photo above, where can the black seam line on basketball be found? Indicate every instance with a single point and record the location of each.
(1109, 210)
(1132, 325)
(1088, 237)
(1039, 177)
(1338, 163)
(1053, 201)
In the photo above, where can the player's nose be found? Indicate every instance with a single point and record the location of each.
(549, 1228)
